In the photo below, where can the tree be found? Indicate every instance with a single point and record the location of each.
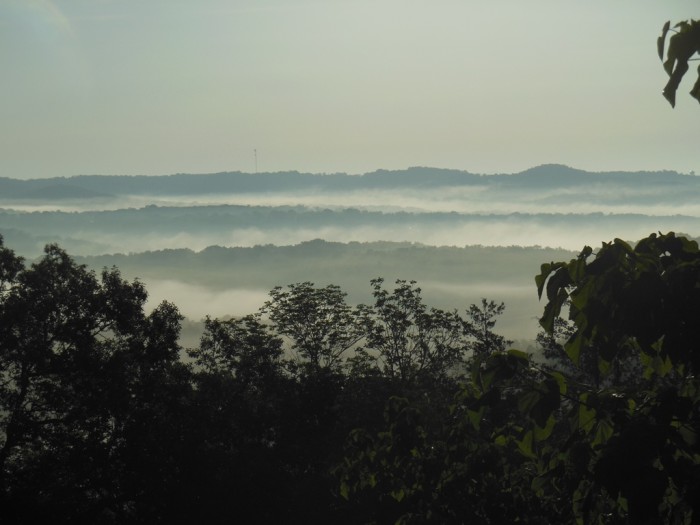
(85, 375)
(319, 323)
(243, 347)
(483, 320)
(243, 429)
(557, 449)
(640, 439)
(682, 46)
(408, 340)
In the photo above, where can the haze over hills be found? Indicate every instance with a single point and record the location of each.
(548, 176)
(217, 243)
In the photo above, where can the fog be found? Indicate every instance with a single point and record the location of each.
(559, 212)
(196, 302)
(640, 199)
(507, 230)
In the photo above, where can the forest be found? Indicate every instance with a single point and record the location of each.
(202, 320)
(217, 243)
(313, 410)
(319, 406)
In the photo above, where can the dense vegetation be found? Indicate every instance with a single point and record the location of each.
(313, 411)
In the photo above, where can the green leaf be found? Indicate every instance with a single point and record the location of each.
(344, 491)
(561, 381)
(689, 434)
(603, 432)
(586, 414)
(542, 433)
(573, 348)
(527, 401)
(525, 445)
(398, 495)
(577, 269)
(475, 417)
(538, 484)
(552, 310)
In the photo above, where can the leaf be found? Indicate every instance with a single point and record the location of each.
(527, 401)
(542, 433)
(680, 48)
(540, 279)
(662, 39)
(557, 282)
(561, 381)
(577, 269)
(475, 417)
(586, 414)
(573, 348)
(501, 367)
(525, 446)
(689, 435)
(547, 404)
(695, 92)
(552, 311)
(603, 432)
(398, 495)
(539, 483)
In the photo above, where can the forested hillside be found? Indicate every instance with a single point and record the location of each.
(218, 243)
(311, 410)
(541, 178)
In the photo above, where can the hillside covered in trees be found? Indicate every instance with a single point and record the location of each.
(217, 243)
(310, 410)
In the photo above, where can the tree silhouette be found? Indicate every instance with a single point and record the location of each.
(682, 46)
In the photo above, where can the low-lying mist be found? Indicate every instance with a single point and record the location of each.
(594, 198)
(519, 321)
(219, 253)
(568, 232)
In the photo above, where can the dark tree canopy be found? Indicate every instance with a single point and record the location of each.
(392, 412)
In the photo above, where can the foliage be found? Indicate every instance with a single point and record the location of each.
(408, 339)
(85, 374)
(483, 320)
(682, 46)
(431, 421)
(318, 321)
(560, 448)
(641, 436)
(243, 347)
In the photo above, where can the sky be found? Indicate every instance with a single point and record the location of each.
(325, 86)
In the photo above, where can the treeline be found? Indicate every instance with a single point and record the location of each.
(537, 178)
(313, 411)
(332, 262)
(223, 221)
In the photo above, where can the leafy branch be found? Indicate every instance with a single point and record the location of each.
(682, 46)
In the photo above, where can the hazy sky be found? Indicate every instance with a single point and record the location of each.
(165, 86)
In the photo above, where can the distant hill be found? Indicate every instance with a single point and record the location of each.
(234, 281)
(546, 176)
(59, 192)
(156, 227)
